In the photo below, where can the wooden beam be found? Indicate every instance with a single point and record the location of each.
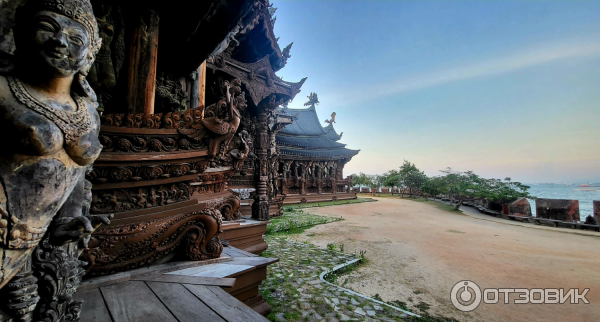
(142, 61)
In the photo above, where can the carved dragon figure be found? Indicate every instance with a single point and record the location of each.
(313, 100)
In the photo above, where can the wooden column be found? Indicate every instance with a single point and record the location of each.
(260, 207)
(142, 60)
(202, 83)
(199, 87)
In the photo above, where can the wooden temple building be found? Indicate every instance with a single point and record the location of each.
(311, 158)
(189, 171)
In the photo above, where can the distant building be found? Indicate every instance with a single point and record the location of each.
(311, 158)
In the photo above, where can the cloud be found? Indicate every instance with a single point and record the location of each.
(486, 68)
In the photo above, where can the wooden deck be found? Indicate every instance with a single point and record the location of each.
(174, 292)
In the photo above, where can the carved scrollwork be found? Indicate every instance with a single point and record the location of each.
(123, 247)
(227, 206)
(102, 174)
(119, 200)
(21, 294)
(59, 273)
(128, 143)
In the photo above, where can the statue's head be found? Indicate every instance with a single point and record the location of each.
(57, 36)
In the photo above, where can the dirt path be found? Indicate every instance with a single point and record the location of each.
(418, 252)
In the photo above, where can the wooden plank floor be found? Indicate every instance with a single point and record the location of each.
(148, 301)
(188, 294)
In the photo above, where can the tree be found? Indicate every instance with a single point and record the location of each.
(374, 181)
(467, 185)
(360, 180)
(461, 185)
(411, 178)
(390, 179)
(434, 186)
(503, 191)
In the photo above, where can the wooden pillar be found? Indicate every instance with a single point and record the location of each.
(199, 87)
(260, 207)
(142, 61)
(202, 78)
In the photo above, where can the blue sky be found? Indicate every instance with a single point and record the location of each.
(498, 87)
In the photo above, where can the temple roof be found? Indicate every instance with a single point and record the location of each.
(331, 133)
(260, 41)
(306, 123)
(308, 142)
(306, 137)
(329, 154)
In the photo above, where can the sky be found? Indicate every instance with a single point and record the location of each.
(502, 88)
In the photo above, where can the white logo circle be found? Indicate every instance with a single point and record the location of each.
(466, 296)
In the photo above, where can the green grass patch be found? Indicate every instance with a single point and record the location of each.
(327, 203)
(332, 277)
(296, 221)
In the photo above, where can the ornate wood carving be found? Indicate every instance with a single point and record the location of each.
(121, 247)
(260, 207)
(49, 113)
(228, 206)
(301, 176)
(119, 200)
(59, 273)
(113, 142)
(133, 173)
(259, 77)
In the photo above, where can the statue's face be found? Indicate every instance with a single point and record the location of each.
(58, 43)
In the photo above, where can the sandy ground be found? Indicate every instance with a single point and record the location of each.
(418, 252)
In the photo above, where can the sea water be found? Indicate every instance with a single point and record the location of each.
(585, 195)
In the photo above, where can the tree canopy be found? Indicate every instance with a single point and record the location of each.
(411, 178)
(460, 186)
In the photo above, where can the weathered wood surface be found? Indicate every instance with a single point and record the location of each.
(222, 303)
(182, 303)
(101, 281)
(141, 74)
(94, 309)
(157, 301)
(135, 301)
(182, 279)
(235, 252)
(178, 292)
(216, 270)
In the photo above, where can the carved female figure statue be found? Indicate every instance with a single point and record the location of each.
(50, 128)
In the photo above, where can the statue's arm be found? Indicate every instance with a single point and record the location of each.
(73, 221)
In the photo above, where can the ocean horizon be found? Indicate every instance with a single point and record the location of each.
(585, 193)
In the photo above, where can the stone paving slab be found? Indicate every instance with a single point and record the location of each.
(296, 293)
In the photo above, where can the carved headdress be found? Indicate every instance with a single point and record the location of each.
(78, 10)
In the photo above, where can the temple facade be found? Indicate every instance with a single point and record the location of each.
(172, 124)
(311, 158)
